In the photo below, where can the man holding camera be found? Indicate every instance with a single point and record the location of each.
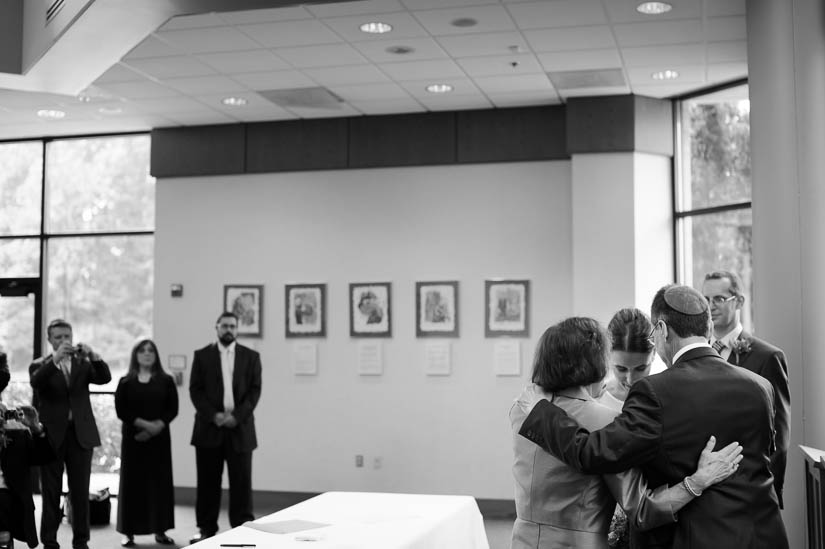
(23, 444)
(61, 385)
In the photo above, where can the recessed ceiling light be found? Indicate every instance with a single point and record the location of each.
(376, 27)
(51, 114)
(233, 101)
(654, 8)
(110, 110)
(84, 98)
(439, 88)
(665, 75)
(464, 22)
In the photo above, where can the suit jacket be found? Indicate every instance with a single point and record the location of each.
(769, 362)
(557, 506)
(206, 390)
(21, 452)
(54, 397)
(5, 376)
(666, 421)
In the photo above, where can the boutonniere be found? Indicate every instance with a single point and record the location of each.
(739, 347)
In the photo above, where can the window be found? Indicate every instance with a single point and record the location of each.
(713, 193)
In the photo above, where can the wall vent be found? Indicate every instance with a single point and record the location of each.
(304, 98)
(576, 80)
(54, 7)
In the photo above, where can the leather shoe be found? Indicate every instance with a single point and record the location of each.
(199, 537)
(127, 541)
(163, 539)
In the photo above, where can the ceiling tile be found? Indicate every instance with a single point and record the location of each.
(726, 52)
(461, 87)
(573, 38)
(558, 13)
(658, 32)
(199, 118)
(624, 11)
(342, 110)
(504, 65)
(719, 8)
(351, 8)
(343, 76)
(664, 56)
(580, 60)
(474, 45)
(119, 73)
(509, 84)
(456, 103)
(370, 92)
(488, 19)
(391, 106)
(524, 99)
(254, 103)
(291, 33)
(666, 90)
(268, 115)
(167, 105)
(422, 70)
(591, 92)
(725, 72)
(152, 46)
(328, 55)
(427, 4)
(139, 90)
(726, 28)
(193, 21)
(208, 40)
(244, 61)
(278, 80)
(423, 48)
(204, 84)
(694, 74)
(169, 67)
(266, 15)
(403, 25)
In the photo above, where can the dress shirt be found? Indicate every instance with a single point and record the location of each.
(227, 368)
(728, 340)
(65, 366)
(685, 349)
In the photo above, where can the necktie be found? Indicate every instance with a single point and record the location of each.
(718, 345)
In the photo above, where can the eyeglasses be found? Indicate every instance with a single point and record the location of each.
(720, 299)
(652, 333)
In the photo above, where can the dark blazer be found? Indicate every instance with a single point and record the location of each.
(5, 376)
(769, 362)
(206, 390)
(666, 421)
(21, 452)
(54, 397)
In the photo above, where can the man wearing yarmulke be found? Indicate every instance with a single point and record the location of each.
(666, 417)
(724, 292)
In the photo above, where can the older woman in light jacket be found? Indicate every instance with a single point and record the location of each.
(559, 508)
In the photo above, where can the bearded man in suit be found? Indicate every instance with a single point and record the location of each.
(725, 294)
(225, 387)
(61, 389)
(666, 417)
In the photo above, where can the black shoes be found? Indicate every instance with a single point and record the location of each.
(200, 536)
(127, 541)
(163, 539)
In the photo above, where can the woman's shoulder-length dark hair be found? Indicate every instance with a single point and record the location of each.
(157, 367)
(570, 354)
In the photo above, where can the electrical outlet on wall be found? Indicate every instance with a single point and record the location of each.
(359, 460)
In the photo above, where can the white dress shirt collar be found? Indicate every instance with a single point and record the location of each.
(687, 348)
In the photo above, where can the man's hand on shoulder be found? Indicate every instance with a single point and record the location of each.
(529, 397)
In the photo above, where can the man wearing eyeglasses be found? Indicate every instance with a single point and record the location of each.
(724, 292)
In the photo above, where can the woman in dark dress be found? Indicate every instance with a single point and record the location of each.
(146, 401)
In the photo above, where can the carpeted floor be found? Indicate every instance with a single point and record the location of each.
(106, 537)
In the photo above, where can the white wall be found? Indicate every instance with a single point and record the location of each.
(468, 223)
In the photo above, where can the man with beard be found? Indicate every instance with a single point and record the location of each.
(225, 387)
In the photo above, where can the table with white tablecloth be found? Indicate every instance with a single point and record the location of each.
(364, 520)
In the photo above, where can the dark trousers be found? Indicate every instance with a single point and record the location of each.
(6, 502)
(210, 470)
(78, 462)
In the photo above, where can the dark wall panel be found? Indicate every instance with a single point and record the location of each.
(297, 145)
(654, 125)
(402, 140)
(11, 36)
(600, 124)
(507, 135)
(202, 150)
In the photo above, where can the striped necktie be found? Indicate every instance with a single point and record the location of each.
(718, 345)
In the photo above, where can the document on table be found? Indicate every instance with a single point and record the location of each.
(284, 526)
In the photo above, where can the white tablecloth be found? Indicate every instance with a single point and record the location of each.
(363, 520)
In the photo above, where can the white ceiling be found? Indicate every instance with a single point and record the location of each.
(180, 73)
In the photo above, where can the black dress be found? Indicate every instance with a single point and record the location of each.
(146, 502)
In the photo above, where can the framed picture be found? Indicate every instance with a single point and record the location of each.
(246, 301)
(507, 303)
(306, 310)
(436, 309)
(369, 310)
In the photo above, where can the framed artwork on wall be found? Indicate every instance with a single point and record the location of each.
(246, 301)
(507, 306)
(369, 305)
(306, 310)
(436, 309)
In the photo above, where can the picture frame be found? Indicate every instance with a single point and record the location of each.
(246, 301)
(306, 310)
(436, 309)
(507, 308)
(370, 309)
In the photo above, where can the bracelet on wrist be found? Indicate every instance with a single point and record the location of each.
(690, 489)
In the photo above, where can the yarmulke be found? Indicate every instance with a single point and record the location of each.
(686, 300)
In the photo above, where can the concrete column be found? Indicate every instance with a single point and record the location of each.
(786, 66)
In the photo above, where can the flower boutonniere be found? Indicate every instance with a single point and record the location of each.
(741, 346)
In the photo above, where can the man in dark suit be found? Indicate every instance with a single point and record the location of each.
(225, 387)
(24, 444)
(5, 375)
(61, 386)
(724, 292)
(667, 417)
